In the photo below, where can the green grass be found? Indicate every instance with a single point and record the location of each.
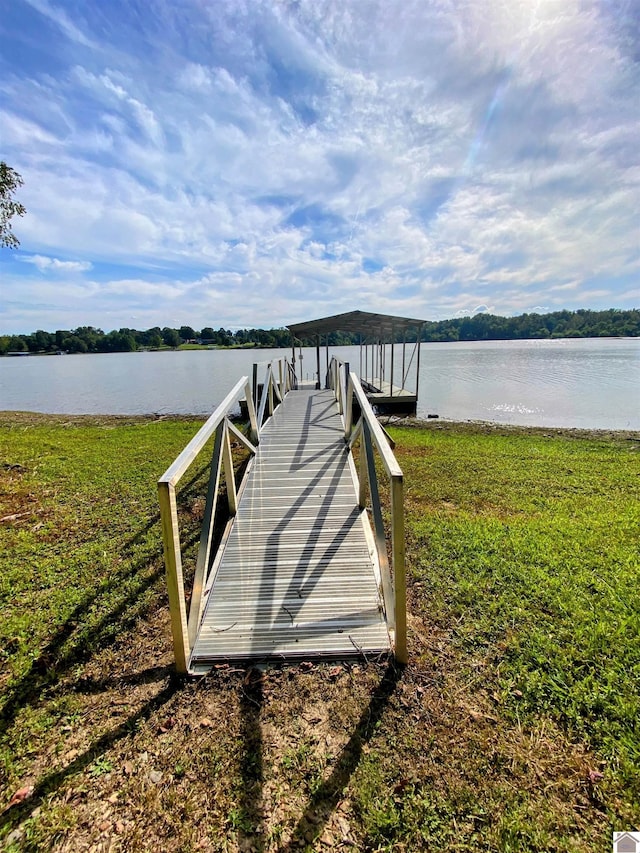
(527, 550)
(522, 687)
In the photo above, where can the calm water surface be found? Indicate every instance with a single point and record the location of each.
(591, 383)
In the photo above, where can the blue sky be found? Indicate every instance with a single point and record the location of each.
(258, 163)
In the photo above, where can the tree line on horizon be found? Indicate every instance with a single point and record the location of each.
(582, 323)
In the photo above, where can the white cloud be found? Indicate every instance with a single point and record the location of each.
(59, 17)
(46, 264)
(467, 156)
(195, 77)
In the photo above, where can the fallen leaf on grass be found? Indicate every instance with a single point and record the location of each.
(595, 776)
(167, 725)
(21, 795)
(402, 784)
(206, 723)
(155, 776)
(344, 826)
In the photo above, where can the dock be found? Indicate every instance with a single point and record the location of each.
(306, 568)
(297, 577)
(389, 364)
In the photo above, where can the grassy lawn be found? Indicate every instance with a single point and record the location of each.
(514, 727)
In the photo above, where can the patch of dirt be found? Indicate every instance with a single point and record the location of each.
(19, 505)
(25, 419)
(276, 758)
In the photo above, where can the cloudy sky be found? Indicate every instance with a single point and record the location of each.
(250, 163)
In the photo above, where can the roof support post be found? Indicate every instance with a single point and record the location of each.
(318, 385)
(418, 361)
(404, 350)
(326, 342)
(393, 338)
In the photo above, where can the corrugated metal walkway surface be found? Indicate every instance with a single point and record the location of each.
(296, 578)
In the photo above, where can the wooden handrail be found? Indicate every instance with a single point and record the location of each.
(185, 627)
(176, 470)
(371, 434)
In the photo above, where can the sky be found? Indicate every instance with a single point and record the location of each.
(240, 163)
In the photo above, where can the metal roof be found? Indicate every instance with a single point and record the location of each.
(363, 322)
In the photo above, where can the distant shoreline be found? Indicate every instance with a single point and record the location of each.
(258, 347)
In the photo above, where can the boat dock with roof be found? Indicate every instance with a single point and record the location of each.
(305, 567)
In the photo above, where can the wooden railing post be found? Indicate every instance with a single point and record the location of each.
(206, 535)
(229, 474)
(254, 380)
(363, 473)
(399, 577)
(270, 381)
(251, 410)
(175, 578)
(348, 413)
(393, 589)
(345, 386)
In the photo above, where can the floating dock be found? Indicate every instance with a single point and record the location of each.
(390, 379)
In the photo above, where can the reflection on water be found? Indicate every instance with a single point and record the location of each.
(566, 383)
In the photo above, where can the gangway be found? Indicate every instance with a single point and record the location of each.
(302, 569)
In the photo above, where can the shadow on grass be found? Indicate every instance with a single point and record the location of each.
(121, 601)
(104, 613)
(49, 784)
(251, 816)
(325, 799)
(322, 804)
(88, 686)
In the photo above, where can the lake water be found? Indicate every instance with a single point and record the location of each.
(592, 383)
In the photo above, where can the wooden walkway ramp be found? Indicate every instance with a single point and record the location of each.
(297, 577)
(303, 568)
